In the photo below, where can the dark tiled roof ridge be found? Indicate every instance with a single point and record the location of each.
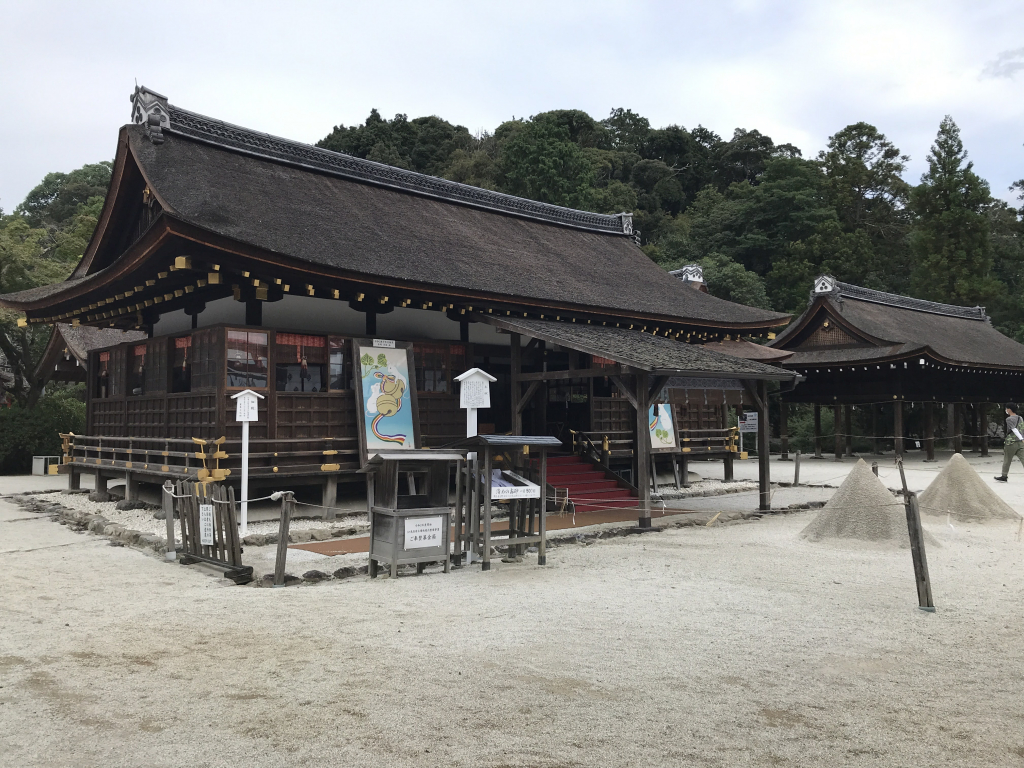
(858, 293)
(240, 139)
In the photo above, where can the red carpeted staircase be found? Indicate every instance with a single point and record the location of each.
(589, 489)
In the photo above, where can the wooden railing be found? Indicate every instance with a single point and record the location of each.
(604, 446)
(193, 459)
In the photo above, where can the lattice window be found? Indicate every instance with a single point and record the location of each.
(246, 360)
(301, 363)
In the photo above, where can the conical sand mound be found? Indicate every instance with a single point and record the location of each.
(863, 510)
(959, 491)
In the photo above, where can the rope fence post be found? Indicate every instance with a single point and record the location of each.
(287, 502)
(168, 504)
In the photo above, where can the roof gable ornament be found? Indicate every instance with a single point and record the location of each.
(627, 223)
(150, 109)
(824, 284)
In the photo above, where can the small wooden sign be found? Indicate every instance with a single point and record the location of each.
(206, 525)
(247, 406)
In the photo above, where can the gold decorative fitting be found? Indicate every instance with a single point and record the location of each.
(337, 293)
(213, 278)
(275, 469)
(22, 322)
(162, 275)
(286, 287)
(310, 291)
(277, 281)
(200, 283)
(150, 283)
(168, 296)
(255, 282)
(179, 293)
(245, 274)
(330, 467)
(261, 293)
(182, 262)
(360, 296)
(216, 267)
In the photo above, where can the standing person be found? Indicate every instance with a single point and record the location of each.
(1013, 445)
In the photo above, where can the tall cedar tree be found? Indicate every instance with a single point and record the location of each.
(953, 257)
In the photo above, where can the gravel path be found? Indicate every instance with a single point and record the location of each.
(723, 646)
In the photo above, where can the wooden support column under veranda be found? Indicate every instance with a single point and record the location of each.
(897, 422)
(929, 431)
(643, 448)
(817, 431)
(837, 432)
(958, 427)
(758, 391)
(876, 447)
(848, 429)
(983, 419)
(784, 430)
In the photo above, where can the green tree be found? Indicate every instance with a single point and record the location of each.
(60, 196)
(950, 241)
(864, 183)
(539, 161)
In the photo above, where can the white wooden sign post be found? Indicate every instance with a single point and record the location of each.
(246, 409)
(474, 393)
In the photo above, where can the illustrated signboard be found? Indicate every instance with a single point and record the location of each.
(664, 436)
(386, 394)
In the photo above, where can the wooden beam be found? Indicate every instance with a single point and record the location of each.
(579, 373)
(524, 401)
(624, 389)
(657, 386)
(643, 449)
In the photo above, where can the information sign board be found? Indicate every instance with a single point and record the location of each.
(424, 532)
(206, 525)
(384, 343)
(749, 422)
(475, 393)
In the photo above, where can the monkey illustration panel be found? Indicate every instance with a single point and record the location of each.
(387, 404)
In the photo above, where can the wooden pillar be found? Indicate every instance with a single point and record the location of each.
(897, 420)
(848, 429)
(971, 411)
(516, 369)
(643, 449)
(874, 428)
(763, 435)
(784, 429)
(330, 497)
(817, 431)
(983, 428)
(371, 322)
(929, 431)
(131, 486)
(254, 312)
(837, 431)
(958, 428)
(74, 478)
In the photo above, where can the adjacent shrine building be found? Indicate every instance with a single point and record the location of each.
(859, 347)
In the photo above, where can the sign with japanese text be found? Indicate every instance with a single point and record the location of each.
(384, 343)
(247, 407)
(424, 532)
(475, 393)
(206, 525)
(749, 422)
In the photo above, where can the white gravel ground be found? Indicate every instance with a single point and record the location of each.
(725, 646)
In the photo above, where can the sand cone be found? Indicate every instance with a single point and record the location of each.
(862, 509)
(961, 493)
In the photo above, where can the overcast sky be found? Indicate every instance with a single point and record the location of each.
(797, 71)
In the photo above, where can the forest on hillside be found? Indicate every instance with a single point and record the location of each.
(762, 219)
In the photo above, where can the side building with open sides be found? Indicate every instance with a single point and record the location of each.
(254, 262)
(857, 347)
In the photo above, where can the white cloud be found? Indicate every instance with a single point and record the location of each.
(1006, 64)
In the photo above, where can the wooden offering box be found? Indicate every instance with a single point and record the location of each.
(413, 527)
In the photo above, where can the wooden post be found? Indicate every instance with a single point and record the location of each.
(763, 446)
(330, 497)
(167, 502)
(975, 435)
(817, 431)
(485, 492)
(929, 431)
(542, 526)
(131, 486)
(796, 469)
(516, 369)
(958, 428)
(874, 428)
(983, 418)
(74, 478)
(282, 537)
(643, 449)
(837, 431)
(874, 468)
(848, 429)
(684, 468)
(897, 418)
(101, 486)
(784, 429)
(924, 584)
